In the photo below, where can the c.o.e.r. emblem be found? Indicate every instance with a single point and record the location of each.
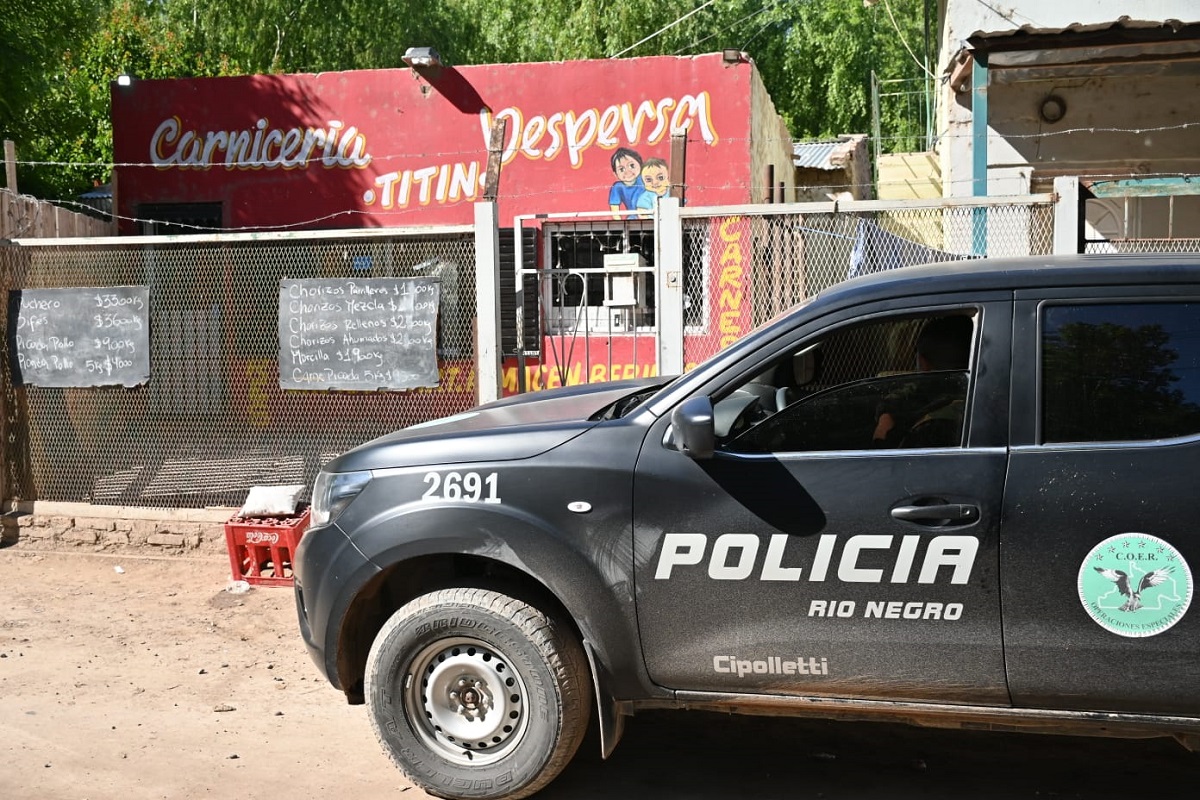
(1135, 584)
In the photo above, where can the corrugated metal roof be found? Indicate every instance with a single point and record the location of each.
(1157, 186)
(101, 192)
(1121, 29)
(815, 155)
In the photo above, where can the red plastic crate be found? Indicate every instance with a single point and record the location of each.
(261, 548)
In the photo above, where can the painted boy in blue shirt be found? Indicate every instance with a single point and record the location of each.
(627, 166)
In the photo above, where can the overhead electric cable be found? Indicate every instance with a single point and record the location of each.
(888, 5)
(664, 29)
(757, 12)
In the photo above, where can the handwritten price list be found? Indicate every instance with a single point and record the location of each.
(372, 333)
(81, 337)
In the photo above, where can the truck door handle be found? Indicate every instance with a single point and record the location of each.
(943, 513)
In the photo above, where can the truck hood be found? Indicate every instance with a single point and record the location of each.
(505, 430)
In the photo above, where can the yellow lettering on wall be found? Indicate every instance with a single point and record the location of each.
(732, 263)
(728, 232)
(731, 258)
(731, 322)
(533, 378)
(730, 299)
(552, 376)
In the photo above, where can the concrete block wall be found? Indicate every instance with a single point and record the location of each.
(771, 144)
(117, 529)
(909, 176)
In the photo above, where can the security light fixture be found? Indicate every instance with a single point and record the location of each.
(124, 79)
(1053, 109)
(421, 57)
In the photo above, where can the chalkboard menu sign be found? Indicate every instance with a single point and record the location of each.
(80, 337)
(371, 333)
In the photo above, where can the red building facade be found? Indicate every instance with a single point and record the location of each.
(400, 147)
(406, 147)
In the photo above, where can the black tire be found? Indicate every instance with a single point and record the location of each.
(474, 694)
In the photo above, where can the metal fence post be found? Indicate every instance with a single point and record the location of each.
(6, 388)
(487, 302)
(668, 288)
(979, 152)
(1068, 220)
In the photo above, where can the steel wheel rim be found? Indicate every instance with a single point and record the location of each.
(465, 701)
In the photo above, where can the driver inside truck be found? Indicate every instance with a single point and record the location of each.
(911, 419)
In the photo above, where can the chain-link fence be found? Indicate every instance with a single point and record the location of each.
(743, 269)
(577, 304)
(212, 420)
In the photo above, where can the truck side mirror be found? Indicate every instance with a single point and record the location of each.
(692, 430)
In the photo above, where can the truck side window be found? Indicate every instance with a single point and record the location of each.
(1120, 371)
(897, 382)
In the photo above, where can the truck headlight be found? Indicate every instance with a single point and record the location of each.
(332, 492)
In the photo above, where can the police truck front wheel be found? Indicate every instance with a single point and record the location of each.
(475, 694)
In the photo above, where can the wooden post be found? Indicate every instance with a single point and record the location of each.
(10, 165)
(491, 182)
(678, 168)
(114, 219)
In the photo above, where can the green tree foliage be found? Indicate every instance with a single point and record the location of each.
(68, 131)
(277, 36)
(79, 136)
(815, 56)
(32, 40)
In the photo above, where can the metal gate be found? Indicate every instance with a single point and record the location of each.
(593, 281)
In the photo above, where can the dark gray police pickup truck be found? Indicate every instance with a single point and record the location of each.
(952, 495)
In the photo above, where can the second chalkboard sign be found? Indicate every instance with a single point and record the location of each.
(371, 333)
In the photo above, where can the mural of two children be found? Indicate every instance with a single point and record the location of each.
(639, 183)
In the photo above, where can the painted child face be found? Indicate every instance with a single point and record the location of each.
(627, 169)
(655, 179)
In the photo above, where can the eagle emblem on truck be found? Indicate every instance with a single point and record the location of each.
(1134, 596)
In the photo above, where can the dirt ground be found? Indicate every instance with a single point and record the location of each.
(129, 677)
(132, 677)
